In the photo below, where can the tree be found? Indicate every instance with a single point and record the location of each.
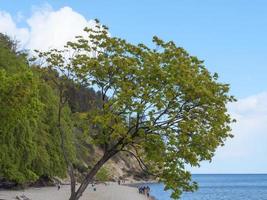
(59, 74)
(162, 106)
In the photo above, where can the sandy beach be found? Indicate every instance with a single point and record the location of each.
(112, 191)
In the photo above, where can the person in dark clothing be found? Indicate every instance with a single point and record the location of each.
(58, 186)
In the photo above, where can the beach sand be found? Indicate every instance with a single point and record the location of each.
(112, 191)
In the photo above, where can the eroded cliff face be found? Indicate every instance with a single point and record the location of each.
(124, 166)
(121, 167)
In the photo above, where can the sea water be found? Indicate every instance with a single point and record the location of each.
(221, 187)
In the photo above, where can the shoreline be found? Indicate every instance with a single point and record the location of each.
(111, 191)
(142, 183)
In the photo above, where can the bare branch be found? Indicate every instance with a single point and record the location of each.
(140, 162)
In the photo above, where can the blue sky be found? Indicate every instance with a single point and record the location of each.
(230, 35)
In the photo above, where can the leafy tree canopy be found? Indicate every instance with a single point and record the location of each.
(160, 105)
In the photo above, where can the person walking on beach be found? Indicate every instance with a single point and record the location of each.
(147, 194)
(148, 189)
(58, 186)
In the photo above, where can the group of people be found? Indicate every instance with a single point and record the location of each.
(120, 181)
(144, 190)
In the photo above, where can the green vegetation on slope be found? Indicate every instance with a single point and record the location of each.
(19, 110)
(29, 138)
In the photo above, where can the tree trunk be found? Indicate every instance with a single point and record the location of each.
(72, 181)
(89, 177)
(67, 161)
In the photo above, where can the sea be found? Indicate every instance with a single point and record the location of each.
(221, 187)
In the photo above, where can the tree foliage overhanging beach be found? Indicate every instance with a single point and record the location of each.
(161, 106)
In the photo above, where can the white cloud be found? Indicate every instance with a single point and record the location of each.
(46, 28)
(253, 105)
(54, 28)
(246, 152)
(9, 27)
(251, 127)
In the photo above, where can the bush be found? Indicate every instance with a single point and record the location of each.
(102, 174)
